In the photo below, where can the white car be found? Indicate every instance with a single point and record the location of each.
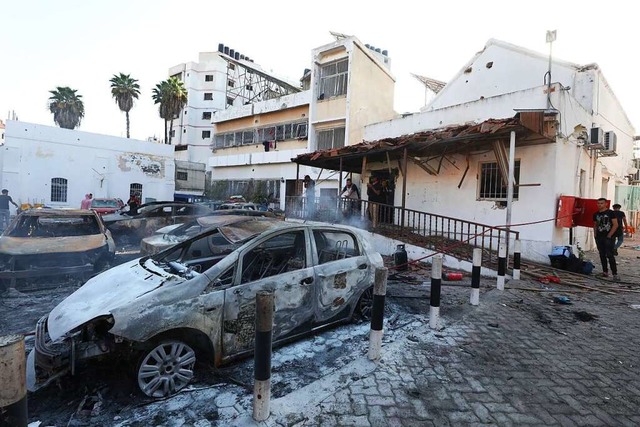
(164, 311)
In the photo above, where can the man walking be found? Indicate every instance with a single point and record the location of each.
(310, 195)
(86, 202)
(622, 226)
(605, 225)
(5, 215)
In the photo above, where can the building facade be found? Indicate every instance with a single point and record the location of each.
(57, 167)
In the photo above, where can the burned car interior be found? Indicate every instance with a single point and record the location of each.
(280, 254)
(333, 246)
(54, 226)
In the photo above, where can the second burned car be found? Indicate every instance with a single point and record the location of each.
(162, 312)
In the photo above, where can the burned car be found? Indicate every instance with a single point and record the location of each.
(130, 229)
(41, 243)
(162, 312)
(174, 234)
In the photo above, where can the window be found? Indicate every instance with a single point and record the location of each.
(231, 83)
(206, 134)
(208, 78)
(333, 79)
(136, 189)
(331, 138)
(182, 176)
(335, 245)
(229, 101)
(248, 137)
(280, 254)
(184, 130)
(173, 133)
(58, 190)
(208, 96)
(232, 66)
(300, 130)
(491, 185)
(206, 115)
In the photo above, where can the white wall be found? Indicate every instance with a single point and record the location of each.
(92, 163)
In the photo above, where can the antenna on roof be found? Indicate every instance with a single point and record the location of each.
(430, 84)
(551, 37)
(339, 36)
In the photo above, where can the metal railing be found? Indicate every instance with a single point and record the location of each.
(453, 236)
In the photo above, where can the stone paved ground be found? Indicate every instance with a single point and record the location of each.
(517, 359)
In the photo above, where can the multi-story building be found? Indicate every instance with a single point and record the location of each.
(348, 86)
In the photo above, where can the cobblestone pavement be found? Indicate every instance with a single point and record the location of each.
(517, 359)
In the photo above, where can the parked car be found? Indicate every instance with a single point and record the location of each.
(239, 205)
(150, 217)
(54, 242)
(188, 302)
(106, 206)
(228, 225)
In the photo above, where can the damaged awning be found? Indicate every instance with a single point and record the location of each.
(531, 128)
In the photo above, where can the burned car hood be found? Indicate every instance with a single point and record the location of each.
(116, 287)
(48, 245)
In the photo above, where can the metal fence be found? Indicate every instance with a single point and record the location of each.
(445, 234)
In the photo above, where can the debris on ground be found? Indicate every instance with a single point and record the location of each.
(584, 316)
(561, 299)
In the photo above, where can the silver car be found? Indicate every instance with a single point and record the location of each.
(164, 311)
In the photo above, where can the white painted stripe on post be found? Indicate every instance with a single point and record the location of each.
(517, 249)
(375, 344)
(502, 255)
(475, 296)
(434, 317)
(500, 284)
(436, 267)
(477, 257)
(261, 400)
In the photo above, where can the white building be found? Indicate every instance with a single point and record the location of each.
(57, 167)
(461, 175)
(218, 80)
(332, 111)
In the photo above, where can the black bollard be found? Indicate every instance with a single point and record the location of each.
(475, 276)
(436, 282)
(516, 260)
(262, 355)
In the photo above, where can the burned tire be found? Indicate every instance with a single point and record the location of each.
(365, 304)
(165, 369)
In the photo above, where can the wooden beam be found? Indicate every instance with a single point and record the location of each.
(425, 167)
(364, 169)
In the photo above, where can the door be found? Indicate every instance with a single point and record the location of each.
(342, 273)
(279, 263)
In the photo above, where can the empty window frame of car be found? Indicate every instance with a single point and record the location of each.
(334, 245)
(280, 254)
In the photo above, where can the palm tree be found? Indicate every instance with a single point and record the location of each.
(66, 106)
(124, 89)
(172, 97)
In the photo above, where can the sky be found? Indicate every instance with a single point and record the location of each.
(83, 43)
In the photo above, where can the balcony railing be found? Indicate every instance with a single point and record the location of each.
(453, 236)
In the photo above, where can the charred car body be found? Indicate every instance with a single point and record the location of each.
(127, 228)
(163, 310)
(175, 234)
(53, 242)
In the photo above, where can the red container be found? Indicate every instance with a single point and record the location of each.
(452, 276)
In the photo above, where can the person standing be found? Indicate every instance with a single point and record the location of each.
(310, 195)
(86, 202)
(605, 225)
(351, 193)
(5, 214)
(133, 204)
(375, 196)
(622, 226)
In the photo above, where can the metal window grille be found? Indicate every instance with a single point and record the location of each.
(206, 115)
(206, 134)
(331, 138)
(492, 186)
(219, 140)
(248, 137)
(136, 188)
(208, 78)
(58, 190)
(301, 130)
(334, 78)
(208, 96)
(182, 176)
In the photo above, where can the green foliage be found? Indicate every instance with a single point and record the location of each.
(66, 106)
(171, 95)
(124, 90)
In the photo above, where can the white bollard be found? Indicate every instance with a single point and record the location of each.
(502, 265)
(517, 248)
(436, 282)
(475, 276)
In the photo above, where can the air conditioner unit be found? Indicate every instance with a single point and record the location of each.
(596, 138)
(609, 142)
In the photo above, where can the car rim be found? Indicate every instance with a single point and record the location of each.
(366, 303)
(166, 369)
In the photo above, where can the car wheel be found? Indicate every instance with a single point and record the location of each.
(166, 369)
(365, 304)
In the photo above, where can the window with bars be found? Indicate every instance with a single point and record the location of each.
(206, 115)
(59, 190)
(135, 189)
(491, 184)
(208, 77)
(206, 134)
(208, 96)
(182, 176)
(331, 138)
(334, 78)
(269, 133)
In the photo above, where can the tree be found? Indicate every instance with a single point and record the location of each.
(66, 106)
(171, 95)
(124, 89)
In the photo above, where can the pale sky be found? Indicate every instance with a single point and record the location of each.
(82, 43)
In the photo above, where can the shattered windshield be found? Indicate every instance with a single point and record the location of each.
(55, 226)
(98, 203)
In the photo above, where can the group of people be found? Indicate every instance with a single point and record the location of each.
(608, 228)
(379, 193)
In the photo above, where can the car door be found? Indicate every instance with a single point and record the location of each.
(278, 262)
(342, 272)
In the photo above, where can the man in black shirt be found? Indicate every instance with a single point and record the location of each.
(622, 224)
(375, 195)
(5, 215)
(605, 225)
